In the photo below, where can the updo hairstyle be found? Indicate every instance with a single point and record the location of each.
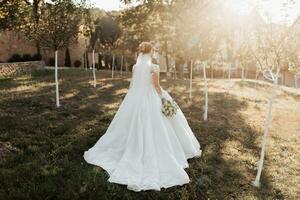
(145, 47)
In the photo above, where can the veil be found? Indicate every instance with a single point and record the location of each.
(143, 58)
(140, 72)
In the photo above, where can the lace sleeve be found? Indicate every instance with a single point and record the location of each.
(155, 68)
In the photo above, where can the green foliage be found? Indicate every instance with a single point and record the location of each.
(27, 57)
(15, 58)
(23, 58)
(179, 26)
(106, 31)
(37, 56)
(11, 13)
(58, 24)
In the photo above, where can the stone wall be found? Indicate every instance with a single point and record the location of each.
(12, 42)
(19, 68)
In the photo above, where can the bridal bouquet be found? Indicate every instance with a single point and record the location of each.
(169, 108)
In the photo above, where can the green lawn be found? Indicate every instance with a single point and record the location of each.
(41, 147)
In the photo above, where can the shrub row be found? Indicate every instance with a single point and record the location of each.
(51, 62)
(25, 57)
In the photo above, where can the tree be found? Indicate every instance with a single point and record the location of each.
(135, 27)
(107, 29)
(58, 27)
(11, 13)
(104, 34)
(67, 58)
(294, 54)
(244, 58)
(270, 53)
(294, 67)
(34, 20)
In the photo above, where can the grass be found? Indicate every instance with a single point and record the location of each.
(41, 147)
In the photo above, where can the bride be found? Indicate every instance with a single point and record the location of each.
(142, 148)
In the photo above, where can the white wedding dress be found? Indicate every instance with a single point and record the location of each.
(142, 148)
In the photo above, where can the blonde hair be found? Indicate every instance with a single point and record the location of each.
(145, 47)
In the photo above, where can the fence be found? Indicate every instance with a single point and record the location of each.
(19, 68)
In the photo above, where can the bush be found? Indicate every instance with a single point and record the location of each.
(26, 57)
(37, 57)
(51, 61)
(77, 63)
(15, 58)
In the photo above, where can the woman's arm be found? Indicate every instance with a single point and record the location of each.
(155, 78)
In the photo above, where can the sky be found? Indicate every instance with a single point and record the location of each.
(272, 7)
(108, 5)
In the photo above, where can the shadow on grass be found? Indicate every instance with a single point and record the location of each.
(51, 142)
(230, 146)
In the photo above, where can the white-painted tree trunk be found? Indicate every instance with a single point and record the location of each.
(56, 80)
(175, 75)
(121, 65)
(191, 80)
(205, 93)
(94, 73)
(113, 67)
(256, 183)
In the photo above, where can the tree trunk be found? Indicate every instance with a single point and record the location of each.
(106, 61)
(38, 48)
(211, 72)
(36, 17)
(67, 58)
(256, 183)
(126, 66)
(167, 58)
(191, 80)
(205, 92)
(175, 70)
(85, 58)
(113, 67)
(100, 57)
(56, 81)
(122, 65)
(229, 71)
(255, 85)
(243, 74)
(94, 73)
(296, 83)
